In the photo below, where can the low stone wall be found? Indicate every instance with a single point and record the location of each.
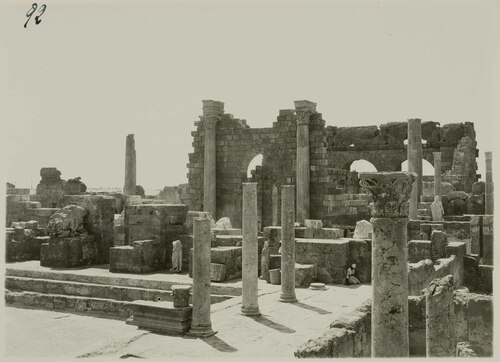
(348, 336)
(422, 273)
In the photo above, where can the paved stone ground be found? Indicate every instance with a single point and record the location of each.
(277, 333)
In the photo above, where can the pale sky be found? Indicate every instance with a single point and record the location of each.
(73, 86)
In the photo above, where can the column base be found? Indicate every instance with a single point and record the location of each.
(288, 298)
(201, 331)
(251, 312)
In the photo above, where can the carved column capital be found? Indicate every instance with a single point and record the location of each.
(303, 117)
(210, 122)
(390, 192)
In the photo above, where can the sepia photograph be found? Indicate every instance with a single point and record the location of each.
(281, 179)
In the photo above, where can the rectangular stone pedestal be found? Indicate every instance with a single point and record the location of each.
(230, 256)
(160, 317)
(143, 256)
(69, 252)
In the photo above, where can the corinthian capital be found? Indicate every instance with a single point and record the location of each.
(210, 121)
(303, 116)
(390, 192)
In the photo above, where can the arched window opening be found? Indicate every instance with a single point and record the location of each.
(256, 161)
(427, 168)
(363, 166)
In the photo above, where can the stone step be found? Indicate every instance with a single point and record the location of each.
(427, 198)
(425, 218)
(424, 205)
(457, 218)
(99, 307)
(228, 240)
(119, 293)
(424, 212)
(115, 279)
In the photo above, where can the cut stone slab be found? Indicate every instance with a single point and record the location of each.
(160, 317)
(363, 230)
(304, 275)
(317, 286)
(143, 256)
(68, 252)
(419, 250)
(217, 272)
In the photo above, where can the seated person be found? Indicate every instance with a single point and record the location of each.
(350, 277)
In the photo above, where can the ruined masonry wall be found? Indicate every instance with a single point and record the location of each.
(332, 150)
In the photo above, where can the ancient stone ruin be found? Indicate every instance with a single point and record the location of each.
(391, 263)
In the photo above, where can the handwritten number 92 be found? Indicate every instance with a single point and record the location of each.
(31, 11)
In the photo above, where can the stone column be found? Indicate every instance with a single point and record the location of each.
(439, 322)
(130, 173)
(287, 244)
(437, 173)
(200, 323)
(275, 221)
(250, 253)
(415, 163)
(303, 110)
(390, 192)
(489, 184)
(212, 110)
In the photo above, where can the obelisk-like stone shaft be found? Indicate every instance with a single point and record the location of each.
(437, 173)
(130, 166)
(200, 323)
(390, 192)
(212, 110)
(275, 216)
(489, 184)
(439, 323)
(250, 253)
(415, 163)
(303, 166)
(287, 244)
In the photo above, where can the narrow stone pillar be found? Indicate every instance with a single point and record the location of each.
(287, 244)
(437, 173)
(489, 184)
(212, 110)
(130, 170)
(390, 192)
(250, 252)
(275, 221)
(439, 322)
(415, 163)
(200, 323)
(303, 110)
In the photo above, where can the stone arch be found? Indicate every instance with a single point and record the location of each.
(256, 161)
(362, 165)
(427, 167)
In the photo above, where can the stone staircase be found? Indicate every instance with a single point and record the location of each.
(424, 212)
(103, 296)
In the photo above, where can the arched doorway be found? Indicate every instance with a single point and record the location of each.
(362, 166)
(256, 161)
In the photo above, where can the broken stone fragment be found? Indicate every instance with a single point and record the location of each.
(68, 221)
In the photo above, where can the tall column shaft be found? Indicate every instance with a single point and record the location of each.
(489, 184)
(303, 166)
(209, 170)
(415, 163)
(275, 216)
(130, 166)
(212, 111)
(437, 173)
(287, 244)
(390, 192)
(250, 253)
(200, 323)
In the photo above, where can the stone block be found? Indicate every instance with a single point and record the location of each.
(160, 317)
(416, 325)
(363, 230)
(480, 323)
(230, 256)
(274, 262)
(143, 256)
(304, 275)
(485, 279)
(313, 224)
(69, 252)
(419, 250)
(217, 272)
(228, 240)
(439, 240)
